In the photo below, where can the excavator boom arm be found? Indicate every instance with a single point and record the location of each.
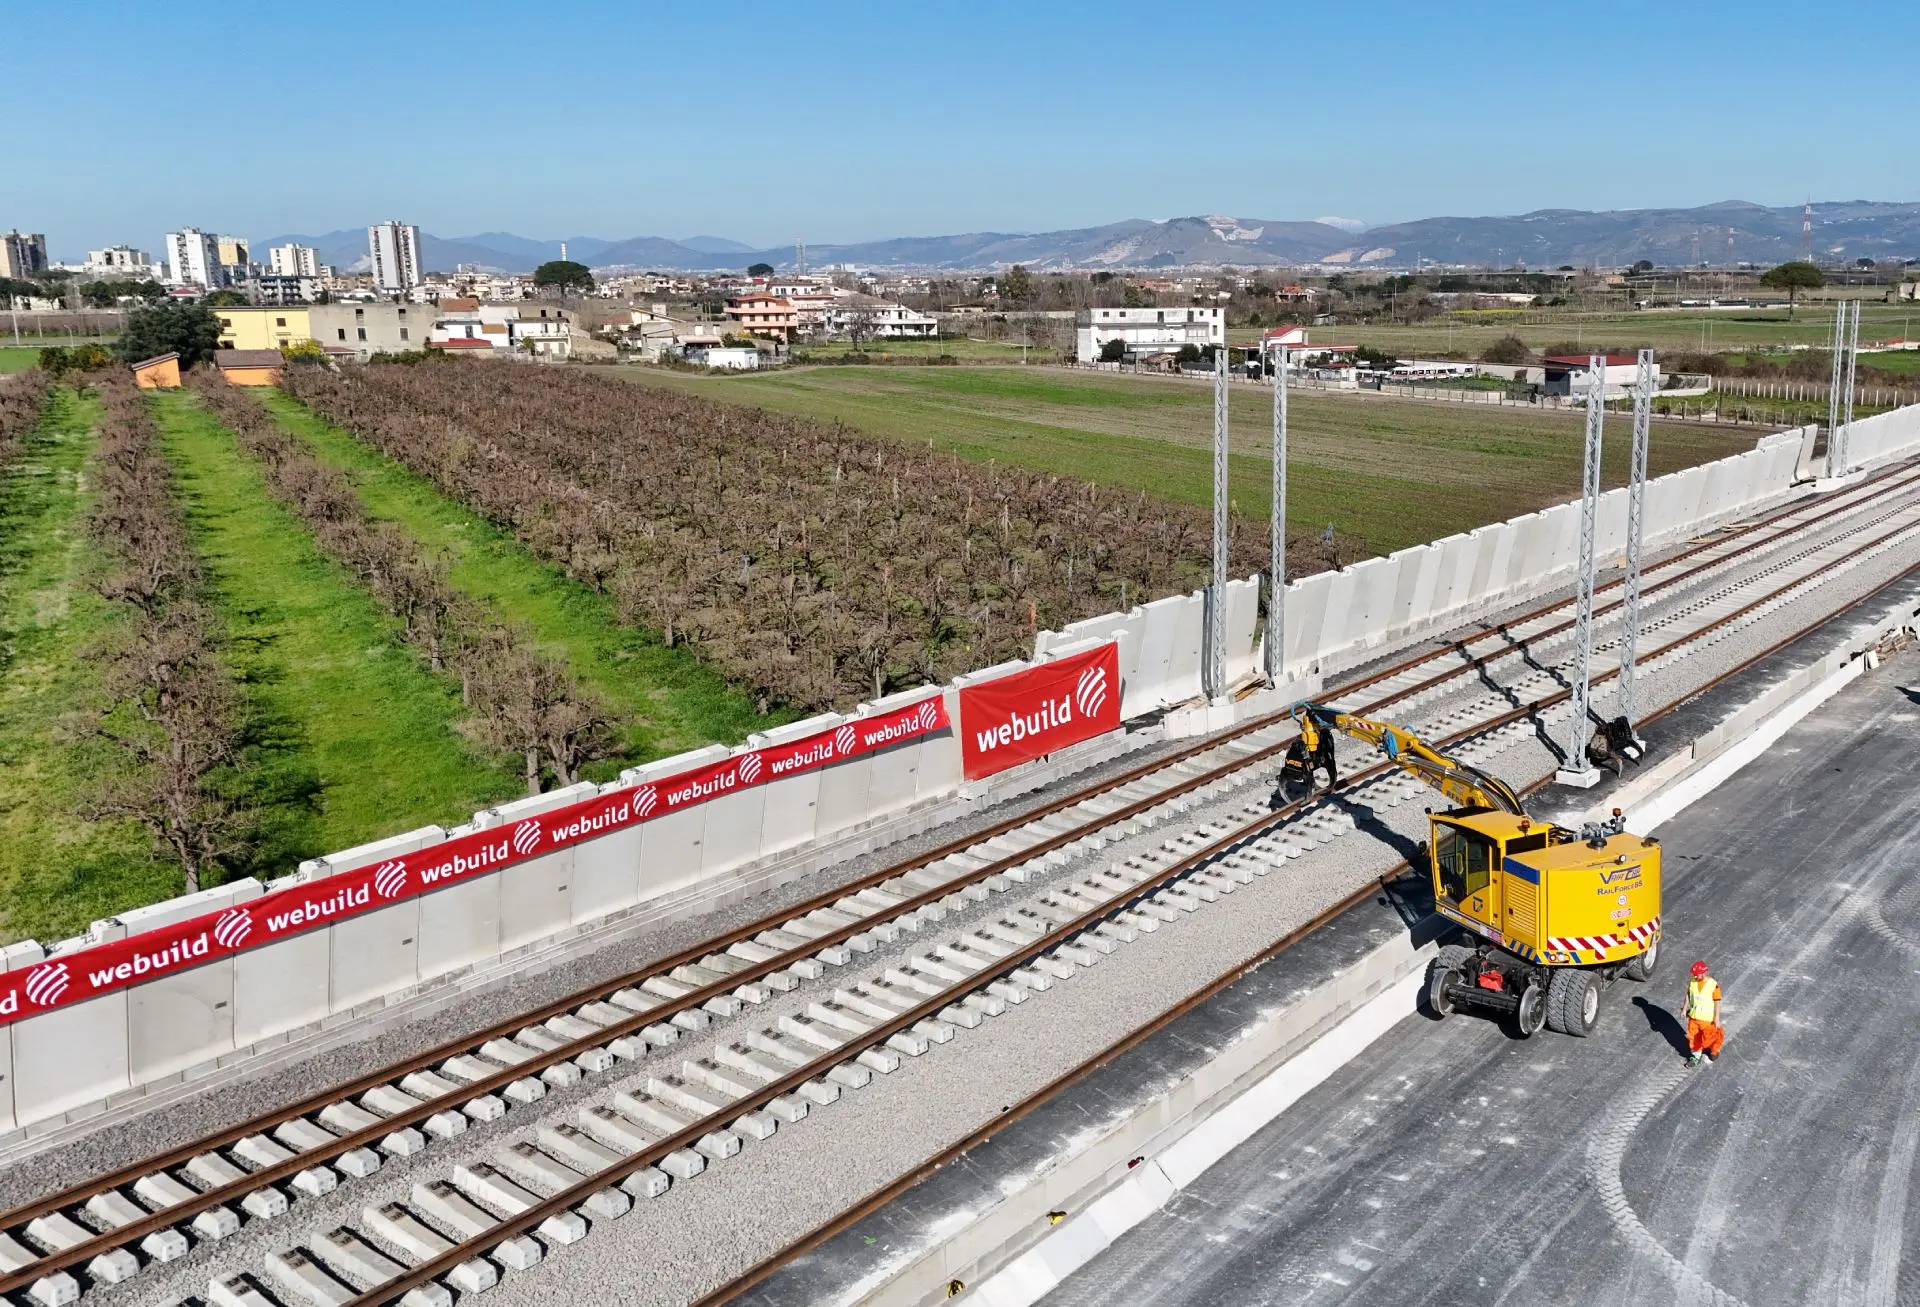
(1467, 786)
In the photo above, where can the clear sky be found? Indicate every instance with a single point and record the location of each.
(837, 122)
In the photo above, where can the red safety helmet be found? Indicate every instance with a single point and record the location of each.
(1699, 968)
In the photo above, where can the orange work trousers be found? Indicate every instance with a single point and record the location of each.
(1705, 1037)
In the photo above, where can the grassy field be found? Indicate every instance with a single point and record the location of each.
(1393, 472)
(965, 349)
(356, 736)
(668, 700)
(18, 360)
(1694, 331)
(58, 871)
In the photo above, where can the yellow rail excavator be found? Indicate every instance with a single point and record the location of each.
(1559, 914)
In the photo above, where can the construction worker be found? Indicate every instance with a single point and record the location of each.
(1705, 1034)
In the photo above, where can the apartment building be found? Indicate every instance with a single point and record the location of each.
(395, 249)
(193, 259)
(22, 255)
(294, 261)
(348, 331)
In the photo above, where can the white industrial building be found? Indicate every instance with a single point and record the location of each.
(1570, 374)
(1147, 332)
(120, 262)
(395, 249)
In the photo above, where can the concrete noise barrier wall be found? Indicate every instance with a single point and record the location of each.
(1379, 601)
(1884, 436)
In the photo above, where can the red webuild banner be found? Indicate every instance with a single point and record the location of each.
(87, 973)
(1018, 718)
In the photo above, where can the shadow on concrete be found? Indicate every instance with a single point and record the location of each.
(1913, 695)
(1664, 1024)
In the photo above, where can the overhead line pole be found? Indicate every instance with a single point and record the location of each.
(1576, 768)
(1277, 529)
(1217, 596)
(1833, 389)
(1853, 359)
(1636, 519)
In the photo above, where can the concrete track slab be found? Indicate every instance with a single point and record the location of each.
(1452, 1163)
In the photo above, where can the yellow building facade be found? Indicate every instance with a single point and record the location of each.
(263, 328)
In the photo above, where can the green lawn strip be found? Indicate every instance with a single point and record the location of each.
(1395, 473)
(17, 360)
(356, 738)
(58, 871)
(667, 700)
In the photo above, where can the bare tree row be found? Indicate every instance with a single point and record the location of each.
(815, 564)
(172, 706)
(22, 400)
(524, 702)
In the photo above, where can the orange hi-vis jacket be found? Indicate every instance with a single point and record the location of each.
(1703, 1001)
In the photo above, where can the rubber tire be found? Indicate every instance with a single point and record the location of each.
(1642, 967)
(1449, 965)
(1573, 1002)
(1533, 1011)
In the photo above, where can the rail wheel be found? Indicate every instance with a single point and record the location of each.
(1532, 1012)
(1447, 969)
(1641, 968)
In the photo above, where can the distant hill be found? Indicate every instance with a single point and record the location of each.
(714, 245)
(1544, 238)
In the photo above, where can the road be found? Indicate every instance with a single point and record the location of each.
(1453, 1164)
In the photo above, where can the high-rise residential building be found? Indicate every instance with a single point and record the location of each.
(395, 247)
(233, 251)
(294, 261)
(22, 255)
(193, 259)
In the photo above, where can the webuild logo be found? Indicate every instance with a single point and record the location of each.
(232, 927)
(1017, 718)
(487, 854)
(144, 962)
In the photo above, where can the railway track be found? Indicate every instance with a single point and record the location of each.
(749, 1078)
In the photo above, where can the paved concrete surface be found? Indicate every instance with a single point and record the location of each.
(1452, 1164)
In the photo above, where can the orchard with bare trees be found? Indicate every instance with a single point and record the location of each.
(524, 701)
(22, 399)
(814, 564)
(172, 707)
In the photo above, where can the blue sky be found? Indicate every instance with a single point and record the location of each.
(764, 122)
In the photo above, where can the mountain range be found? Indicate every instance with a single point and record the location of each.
(1544, 238)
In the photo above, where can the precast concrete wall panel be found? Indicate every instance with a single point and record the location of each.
(372, 955)
(1419, 585)
(1337, 631)
(606, 873)
(180, 1020)
(733, 829)
(281, 987)
(1243, 620)
(1457, 557)
(1306, 603)
(942, 770)
(894, 782)
(460, 925)
(536, 898)
(670, 851)
(842, 804)
(1187, 652)
(69, 1057)
(788, 811)
(791, 805)
(13, 957)
(1159, 622)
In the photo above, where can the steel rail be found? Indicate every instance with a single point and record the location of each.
(1061, 933)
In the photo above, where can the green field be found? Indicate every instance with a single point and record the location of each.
(17, 360)
(666, 699)
(1393, 472)
(964, 349)
(58, 871)
(1674, 330)
(355, 738)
